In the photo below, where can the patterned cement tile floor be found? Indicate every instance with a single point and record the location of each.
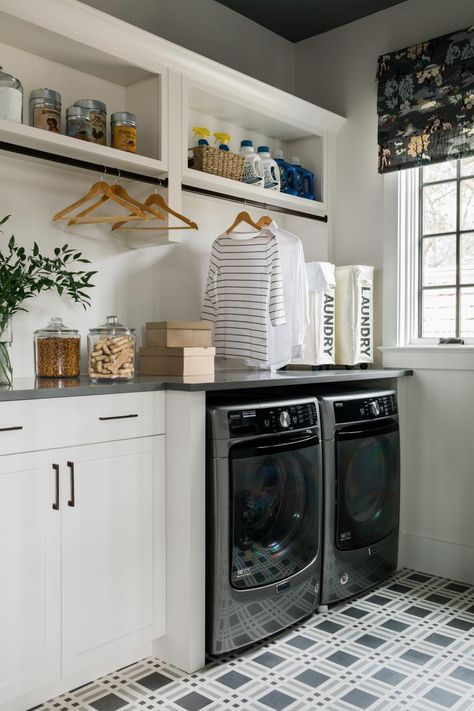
(406, 646)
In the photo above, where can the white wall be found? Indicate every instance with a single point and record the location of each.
(337, 70)
(155, 283)
(214, 31)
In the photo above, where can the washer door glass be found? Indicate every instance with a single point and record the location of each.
(275, 499)
(368, 484)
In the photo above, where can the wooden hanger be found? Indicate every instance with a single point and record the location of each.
(157, 199)
(104, 190)
(122, 193)
(243, 217)
(264, 221)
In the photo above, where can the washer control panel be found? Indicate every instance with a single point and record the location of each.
(271, 420)
(368, 408)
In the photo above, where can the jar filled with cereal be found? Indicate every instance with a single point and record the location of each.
(111, 351)
(57, 351)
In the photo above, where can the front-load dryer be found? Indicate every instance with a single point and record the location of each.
(361, 454)
(264, 507)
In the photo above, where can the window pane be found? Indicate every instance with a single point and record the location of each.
(439, 260)
(439, 171)
(467, 258)
(467, 312)
(467, 204)
(438, 310)
(439, 208)
(467, 166)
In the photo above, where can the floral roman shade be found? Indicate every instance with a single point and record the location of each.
(425, 102)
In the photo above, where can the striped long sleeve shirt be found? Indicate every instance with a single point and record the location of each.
(244, 285)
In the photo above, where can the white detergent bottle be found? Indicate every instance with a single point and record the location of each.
(253, 167)
(271, 170)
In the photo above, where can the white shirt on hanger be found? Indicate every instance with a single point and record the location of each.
(286, 341)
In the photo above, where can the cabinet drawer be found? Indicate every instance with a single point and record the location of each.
(101, 418)
(30, 425)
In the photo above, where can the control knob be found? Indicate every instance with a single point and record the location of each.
(284, 419)
(374, 408)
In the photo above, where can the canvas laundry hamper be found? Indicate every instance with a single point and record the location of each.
(319, 346)
(354, 315)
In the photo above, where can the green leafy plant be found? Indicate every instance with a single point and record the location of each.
(25, 274)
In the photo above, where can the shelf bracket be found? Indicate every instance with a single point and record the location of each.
(82, 164)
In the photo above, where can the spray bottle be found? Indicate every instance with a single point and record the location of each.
(200, 135)
(222, 139)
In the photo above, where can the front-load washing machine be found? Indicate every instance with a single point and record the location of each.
(361, 455)
(264, 508)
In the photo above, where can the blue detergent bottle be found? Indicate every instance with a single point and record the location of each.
(287, 174)
(304, 180)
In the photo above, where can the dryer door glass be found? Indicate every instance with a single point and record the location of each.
(368, 484)
(275, 500)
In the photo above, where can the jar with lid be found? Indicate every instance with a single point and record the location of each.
(97, 118)
(11, 98)
(78, 123)
(57, 351)
(123, 131)
(111, 351)
(45, 110)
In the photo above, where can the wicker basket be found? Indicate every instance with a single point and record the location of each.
(218, 162)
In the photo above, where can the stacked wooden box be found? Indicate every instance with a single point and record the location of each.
(177, 348)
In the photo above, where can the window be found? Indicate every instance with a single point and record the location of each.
(446, 250)
(437, 252)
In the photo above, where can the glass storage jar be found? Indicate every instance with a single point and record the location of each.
(111, 351)
(11, 97)
(57, 351)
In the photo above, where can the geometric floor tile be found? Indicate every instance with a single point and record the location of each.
(406, 645)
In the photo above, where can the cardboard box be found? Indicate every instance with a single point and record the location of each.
(179, 334)
(176, 361)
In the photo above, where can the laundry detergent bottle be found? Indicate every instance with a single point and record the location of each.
(271, 170)
(304, 180)
(253, 166)
(287, 174)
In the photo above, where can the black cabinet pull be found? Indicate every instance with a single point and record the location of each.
(72, 500)
(55, 504)
(118, 417)
(10, 429)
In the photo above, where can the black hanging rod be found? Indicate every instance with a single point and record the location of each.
(83, 164)
(253, 203)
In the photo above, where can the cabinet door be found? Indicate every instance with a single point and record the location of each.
(30, 587)
(112, 539)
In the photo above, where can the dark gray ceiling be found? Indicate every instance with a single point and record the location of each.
(299, 19)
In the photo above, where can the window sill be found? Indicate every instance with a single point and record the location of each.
(429, 357)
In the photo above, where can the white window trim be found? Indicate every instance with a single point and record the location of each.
(412, 351)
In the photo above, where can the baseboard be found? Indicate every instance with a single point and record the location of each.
(428, 555)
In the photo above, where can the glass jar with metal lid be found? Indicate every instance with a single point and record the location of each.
(97, 117)
(11, 98)
(57, 351)
(78, 123)
(111, 351)
(45, 110)
(123, 130)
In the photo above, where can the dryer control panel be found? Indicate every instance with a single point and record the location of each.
(369, 408)
(270, 420)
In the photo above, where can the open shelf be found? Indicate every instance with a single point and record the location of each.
(58, 145)
(265, 198)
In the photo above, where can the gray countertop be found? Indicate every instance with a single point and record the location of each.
(34, 388)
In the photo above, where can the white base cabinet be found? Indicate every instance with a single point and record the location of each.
(30, 589)
(112, 516)
(82, 546)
